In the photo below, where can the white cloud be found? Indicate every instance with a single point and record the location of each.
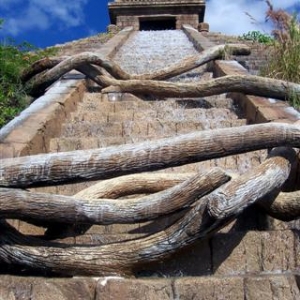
(33, 18)
(68, 11)
(232, 17)
(22, 16)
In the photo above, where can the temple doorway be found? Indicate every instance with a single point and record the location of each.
(165, 23)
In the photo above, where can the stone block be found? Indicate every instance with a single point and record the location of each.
(254, 252)
(15, 288)
(133, 128)
(274, 287)
(144, 115)
(112, 29)
(274, 224)
(209, 288)
(186, 127)
(236, 253)
(252, 105)
(200, 41)
(160, 128)
(228, 67)
(191, 261)
(272, 113)
(110, 288)
(19, 135)
(114, 129)
(278, 252)
(121, 116)
(6, 294)
(63, 289)
(74, 96)
(6, 151)
(37, 288)
(203, 27)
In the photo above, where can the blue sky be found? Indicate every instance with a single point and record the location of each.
(49, 22)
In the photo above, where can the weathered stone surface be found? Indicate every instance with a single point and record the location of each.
(209, 288)
(255, 253)
(236, 253)
(63, 289)
(121, 289)
(276, 287)
(15, 288)
(32, 130)
(283, 287)
(203, 27)
(193, 261)
(37, 288)
(278, 251)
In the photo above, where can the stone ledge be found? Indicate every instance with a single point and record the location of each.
(228, 67)
(206, 288)
(116, 288)
(256, 109)
(199, 41)
(30, 133)
(110, 48)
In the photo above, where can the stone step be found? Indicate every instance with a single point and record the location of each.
(118, 288)
(201, 288)
(217, 101)
(146, 52)
(144, 128)
(73, 143)
(96, 102)
(160, 111)
(225, 254)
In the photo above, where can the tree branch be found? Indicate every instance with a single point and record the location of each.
(41, 207)
(110, 162)
(209, 214)
(247, 84)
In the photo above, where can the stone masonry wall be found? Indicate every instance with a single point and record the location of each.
(128, 21)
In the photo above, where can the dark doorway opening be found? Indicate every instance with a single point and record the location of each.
(158, 24)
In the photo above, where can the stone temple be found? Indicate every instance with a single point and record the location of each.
(156, 14)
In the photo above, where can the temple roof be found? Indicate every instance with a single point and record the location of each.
(148, 7)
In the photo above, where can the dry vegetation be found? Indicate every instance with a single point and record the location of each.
(285, 60)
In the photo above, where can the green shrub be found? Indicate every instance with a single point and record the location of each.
(257, 36)
(14, 58)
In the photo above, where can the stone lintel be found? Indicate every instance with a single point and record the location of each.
(137, 8)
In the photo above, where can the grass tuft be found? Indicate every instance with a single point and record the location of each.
(14, 58)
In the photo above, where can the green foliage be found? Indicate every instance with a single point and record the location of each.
(14, 58)
(257, 36)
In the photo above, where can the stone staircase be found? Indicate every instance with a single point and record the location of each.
(252, 258)
(253, 62)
